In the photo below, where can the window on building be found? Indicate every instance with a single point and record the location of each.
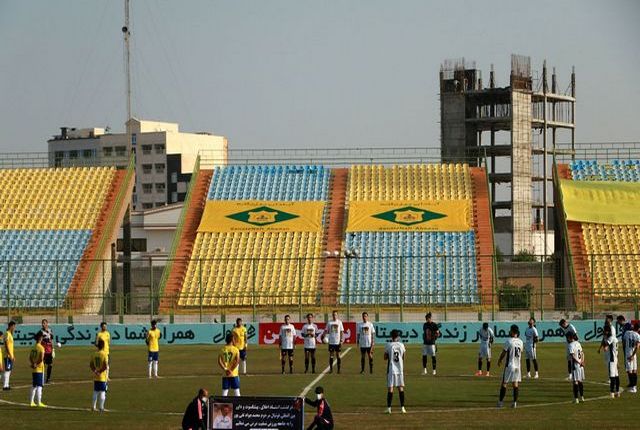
(73, 155)
(160, 204)
(147, 188)
(107, 151)
(137, 245)
(58, 157)
(174, 197)
(159, 167)
(146, 168)
(147, 206)
(146, 149)
(159, 148)
(160, 187)
(88, 153)
(174, 178)
(134, 139)
(121, 151)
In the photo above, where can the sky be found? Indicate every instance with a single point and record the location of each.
(302, 73)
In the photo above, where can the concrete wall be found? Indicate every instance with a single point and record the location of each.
(521, 142)
(453, 126)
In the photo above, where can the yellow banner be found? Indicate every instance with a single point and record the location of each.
(403, 215)
(224, 216)
(601, 202)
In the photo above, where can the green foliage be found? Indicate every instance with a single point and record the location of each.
(524, 255)
(511, 297)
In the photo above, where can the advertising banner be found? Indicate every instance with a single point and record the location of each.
(601, 202)
(269, 333)
(406, 215)
(135, 334)
(275, 216)
(253, 413)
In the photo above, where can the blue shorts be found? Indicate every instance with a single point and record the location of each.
(153, 356)
(230, 382)
(37, 379)
(243, 354)
(8, 364)
(99, 386)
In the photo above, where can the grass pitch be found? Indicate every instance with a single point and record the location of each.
(453, 398)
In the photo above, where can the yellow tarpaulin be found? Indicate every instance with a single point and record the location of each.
(601, 202)
(404, 215)
(225, 216)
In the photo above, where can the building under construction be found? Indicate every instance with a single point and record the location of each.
(515, 130)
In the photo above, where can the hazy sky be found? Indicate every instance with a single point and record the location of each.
(302, 73)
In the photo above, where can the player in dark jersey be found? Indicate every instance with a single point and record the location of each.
(47, 343)
(430, 333)
(323, 419)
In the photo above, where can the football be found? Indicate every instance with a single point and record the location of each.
(59, 345)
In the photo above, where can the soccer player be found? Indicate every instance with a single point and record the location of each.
(366, 340)
(531, 346)
(239, 332)
(9, 357)
(153, 344)
(512, 374)
(336, 338)
(430, 333)
(99, 366)
(104, 336)
(568, 328)
(610, 347)
(287, 342)
(309, 332)
(631, 340)
(323, 419)
(577, 366)
(36, 359)
(394, 356)
(486, 336)
(229, 361)
(47, 343)
(608, 320)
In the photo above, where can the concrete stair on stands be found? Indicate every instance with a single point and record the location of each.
(576, 244)
(483, 231)
(187, 238)
(333, 234)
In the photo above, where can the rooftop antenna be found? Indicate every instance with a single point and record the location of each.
(126, 32)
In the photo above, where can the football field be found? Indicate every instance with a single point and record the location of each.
(453, 398)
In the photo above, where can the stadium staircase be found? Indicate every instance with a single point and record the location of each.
(484, 231)
(576, 243)
(333, 234)
(193, 214)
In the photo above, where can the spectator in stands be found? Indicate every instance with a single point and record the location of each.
(195, 416)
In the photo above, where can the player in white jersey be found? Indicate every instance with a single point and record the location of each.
(630, 341)
(335, 335)
(287, 342)
(512, 374)
(394, 356)
(486, 337)
(309, 333)
(366, 340)
(609, 347)
(576, 355)
(530, 347)
(568, 328)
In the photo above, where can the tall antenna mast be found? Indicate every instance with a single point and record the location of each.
(126, 31)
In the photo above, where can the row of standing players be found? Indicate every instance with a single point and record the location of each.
(42, 355)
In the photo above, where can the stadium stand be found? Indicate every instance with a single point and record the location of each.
(222, 261)
(49, 219)
(422, 272)
(602, 249)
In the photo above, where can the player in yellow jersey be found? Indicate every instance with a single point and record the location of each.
(99, 366)
(9, 358)
(228, 360)
(105, 336)
(153, 343)
(36, 360)
(239, 333)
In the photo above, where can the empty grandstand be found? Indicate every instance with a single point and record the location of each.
(54, 224)
(604, 244)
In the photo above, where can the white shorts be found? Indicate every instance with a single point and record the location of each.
(613, 369)
(429, 350)
(631, 366)
(395, 380)
(485, 351)
(530, 352)
(577, 374)
(511, 374)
